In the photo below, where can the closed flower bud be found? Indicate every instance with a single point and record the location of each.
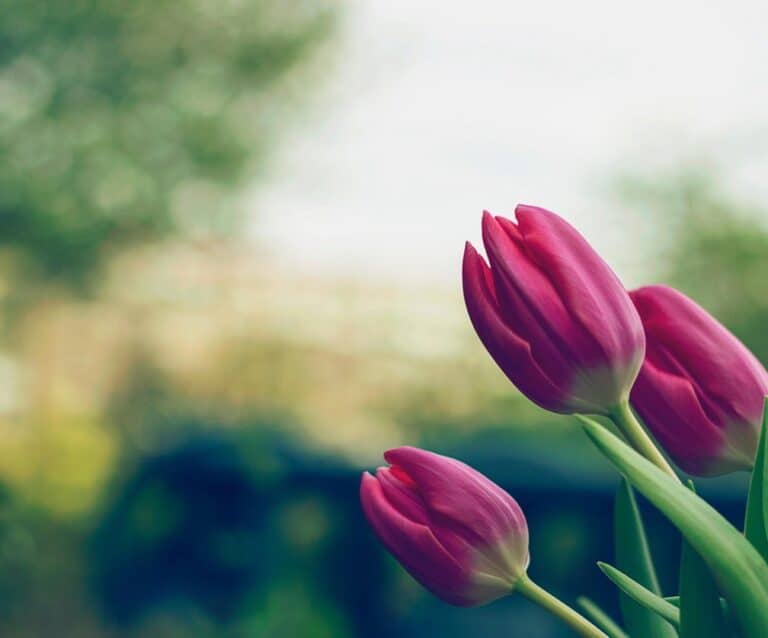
(552, 314)
(457, 533)
(700, 391)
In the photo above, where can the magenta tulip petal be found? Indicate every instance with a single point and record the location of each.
(530, 304)
(454, 530)
(460, 496)
(587, 285)
(414, 545)
(403, 497)
(510, 351)
(700, 391)
(680, 424)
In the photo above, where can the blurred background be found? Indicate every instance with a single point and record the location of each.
(230, 237)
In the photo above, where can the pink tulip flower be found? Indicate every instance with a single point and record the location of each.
(552, 313)
(457, 533)
(700, 391)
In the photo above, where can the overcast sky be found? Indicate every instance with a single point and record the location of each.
(439, 109)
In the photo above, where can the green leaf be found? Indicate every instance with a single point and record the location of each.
(633, 557)
(739, 570)
(675, 600)
(600, 618)
(756, 521)
(651, 602)
(701, 614)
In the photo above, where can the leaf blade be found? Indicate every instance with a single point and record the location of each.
(633, 557)
(701, 613)
(651, 602)
(756, 518)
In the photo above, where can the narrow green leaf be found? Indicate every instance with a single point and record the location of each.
(633, 557)
(600, 618)
(653, 603)
(756, 521)
(675, 600)
(701, 615)
(739, 570)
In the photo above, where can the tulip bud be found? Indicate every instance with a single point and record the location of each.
(457, 533)
(552, 314)
(700, 391)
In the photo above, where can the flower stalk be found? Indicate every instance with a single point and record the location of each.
(558, 608)
(625, 420)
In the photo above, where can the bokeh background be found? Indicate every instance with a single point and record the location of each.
(230, 236)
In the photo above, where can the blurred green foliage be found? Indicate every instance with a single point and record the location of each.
(127, 120)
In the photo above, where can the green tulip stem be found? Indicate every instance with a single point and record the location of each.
(638, 438)
(558, 608)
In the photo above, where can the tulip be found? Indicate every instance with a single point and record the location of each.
(552, 313)
(457, 533)
(700, 391)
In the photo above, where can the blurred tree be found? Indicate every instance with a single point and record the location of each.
(712, 248)
(126, 120)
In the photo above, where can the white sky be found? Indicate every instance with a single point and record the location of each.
(440, 109)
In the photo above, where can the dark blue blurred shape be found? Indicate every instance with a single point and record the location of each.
(182, 527)
(196, 527)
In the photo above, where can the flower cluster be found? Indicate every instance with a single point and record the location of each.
(564, 330)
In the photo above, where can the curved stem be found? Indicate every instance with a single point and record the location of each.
(557, 607)
(638, 438)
